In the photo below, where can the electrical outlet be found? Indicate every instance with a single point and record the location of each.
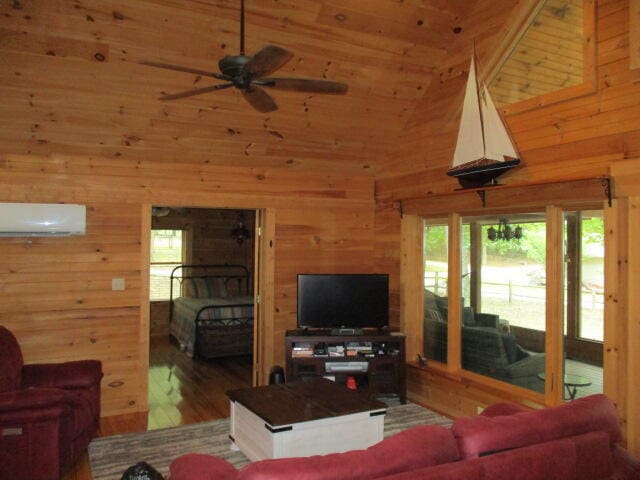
(117, 284)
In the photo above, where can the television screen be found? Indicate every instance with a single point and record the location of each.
(343, 300)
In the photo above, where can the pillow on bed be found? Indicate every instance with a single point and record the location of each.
(217, 287)
(204, 288)
(196, 288)
(189, 288)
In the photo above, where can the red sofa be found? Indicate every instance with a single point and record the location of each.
(577, 440)
(48, 413)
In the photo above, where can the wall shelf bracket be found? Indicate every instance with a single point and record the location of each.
(483, 197)
(606, 184)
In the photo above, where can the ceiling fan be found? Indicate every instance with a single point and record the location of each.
(250, 73)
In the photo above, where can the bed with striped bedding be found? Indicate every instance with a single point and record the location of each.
(214, 315)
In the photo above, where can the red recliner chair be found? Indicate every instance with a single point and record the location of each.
(48, 413)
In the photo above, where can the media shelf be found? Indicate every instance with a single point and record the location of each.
(375, 361)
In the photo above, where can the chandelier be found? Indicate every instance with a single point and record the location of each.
(240, 233)
(504, 232)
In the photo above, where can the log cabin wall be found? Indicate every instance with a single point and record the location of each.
(578, 138)
(80, 122)
(56, 292)
(593, 135)
(210, 244)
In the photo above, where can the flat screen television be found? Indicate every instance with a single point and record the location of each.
(348, 301)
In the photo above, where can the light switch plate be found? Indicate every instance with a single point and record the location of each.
(117, 284)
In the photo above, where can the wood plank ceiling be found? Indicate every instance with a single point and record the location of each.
(71, 84)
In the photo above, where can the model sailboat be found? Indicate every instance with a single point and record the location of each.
(484, 150)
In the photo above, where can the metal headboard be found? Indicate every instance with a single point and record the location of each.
(238, 273)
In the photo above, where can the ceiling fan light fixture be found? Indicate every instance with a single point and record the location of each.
(240, 233)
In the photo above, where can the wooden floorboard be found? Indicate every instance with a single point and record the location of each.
(181, 391)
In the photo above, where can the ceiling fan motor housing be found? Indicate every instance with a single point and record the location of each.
(231, 65)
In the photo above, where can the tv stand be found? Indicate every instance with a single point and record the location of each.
(374, 360)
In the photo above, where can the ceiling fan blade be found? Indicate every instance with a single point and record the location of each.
(308, 85)
(259, 99)
(197, 91)
(179, 68)
(267, 61)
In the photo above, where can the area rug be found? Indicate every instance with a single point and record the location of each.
(110, 456)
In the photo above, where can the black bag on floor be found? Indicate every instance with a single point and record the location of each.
(141, 471)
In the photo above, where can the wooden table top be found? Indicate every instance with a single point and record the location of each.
(295, 402)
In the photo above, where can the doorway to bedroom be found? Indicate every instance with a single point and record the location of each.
(201, 311)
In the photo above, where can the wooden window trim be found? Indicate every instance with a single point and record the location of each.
(634, 34)
(554, 332)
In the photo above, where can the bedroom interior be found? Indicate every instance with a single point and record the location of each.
(204, 308)
(342, 184)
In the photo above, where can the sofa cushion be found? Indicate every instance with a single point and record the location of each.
(202, 467)
(430, 300)
(11, 361)
(416, 447)
(510, 347)
(484, 434)
(584, 457)
(468, 317)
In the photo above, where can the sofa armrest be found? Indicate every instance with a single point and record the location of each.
(32, 405)
(527, 367)
(487, 320)
(625, 465)
(70, 375)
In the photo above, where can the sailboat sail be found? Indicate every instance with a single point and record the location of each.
(484, 149)
(497, 141)
(470, 144)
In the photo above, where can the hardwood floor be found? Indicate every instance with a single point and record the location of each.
(181, 391)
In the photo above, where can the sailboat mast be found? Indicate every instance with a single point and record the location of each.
(478, 93)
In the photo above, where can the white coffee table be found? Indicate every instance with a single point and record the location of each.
(299, 419)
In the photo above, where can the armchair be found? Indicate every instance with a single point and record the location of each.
(48, 413)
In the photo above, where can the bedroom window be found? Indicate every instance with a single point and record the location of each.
(167, 252)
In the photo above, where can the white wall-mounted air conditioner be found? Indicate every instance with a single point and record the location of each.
(42, 220)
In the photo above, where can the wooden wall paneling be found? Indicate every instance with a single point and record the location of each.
(412, 284)
(633, 329)
(387, 254)
(634, 34)
(457, 395)
(576, 138)
(454, 291)
(77, 315)
(145, 323)
(616, 297)
(331, 240)
(554, 334)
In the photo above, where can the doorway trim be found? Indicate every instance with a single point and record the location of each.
(264, 278)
